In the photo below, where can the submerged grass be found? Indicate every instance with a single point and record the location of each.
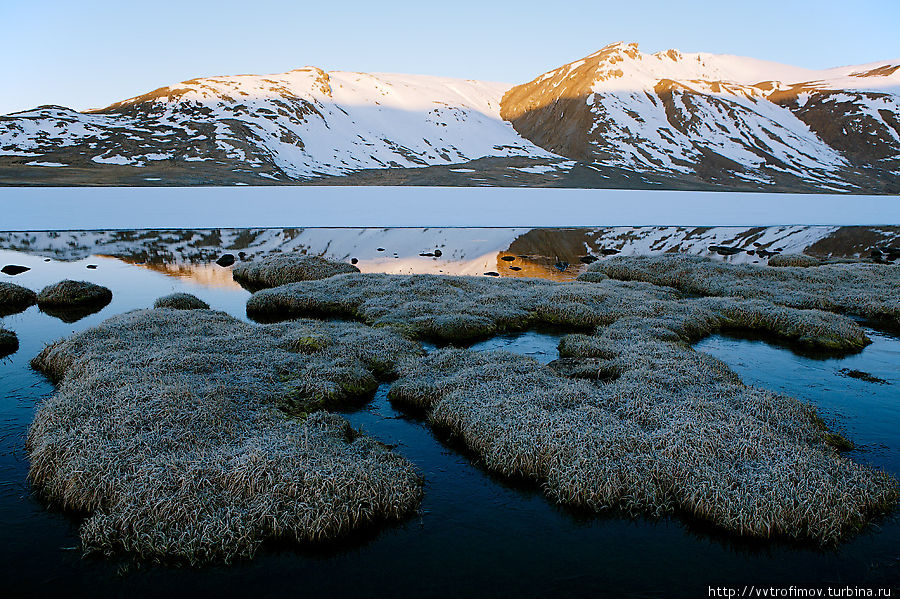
(166, 431)
(462, 309)
(14, 298)
(865, 289)
(280, 269)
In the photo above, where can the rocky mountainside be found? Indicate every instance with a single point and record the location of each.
(718, 119)
(618, 118)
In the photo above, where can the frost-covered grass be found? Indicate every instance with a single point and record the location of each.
(166, 432)
(14, 298)
(796, 260)
(461, 309)
(281, 269)
(71, 294)
(181, 301)
(656, 428)
(865, 289)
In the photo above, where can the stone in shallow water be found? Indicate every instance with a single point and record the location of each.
(225, 260)
(14, 269)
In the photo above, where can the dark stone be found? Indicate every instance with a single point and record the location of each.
(242, 256)
(92, 266)
(354, 260)
(515, 268)
(491, 273)
(14, 269)
(425, 254)
(588, 259)
(724, 250)
(751, 252)
(225, 260)
(438, 253)
(561, 266)
(507, 258)
(608, 251)
(379, 249)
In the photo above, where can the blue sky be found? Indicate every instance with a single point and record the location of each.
(91, 53)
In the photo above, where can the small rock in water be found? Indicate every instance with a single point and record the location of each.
(379, 249)
(225, 260)
(438, 253)
(588, 259)
(354, 260)
(491, 273)
(426, 254)
(92, 266)
(609, 251)
(46, 259)
(242, 255)
(724, 250)
(14, 269)
(515, 268)
(561, 266)
(507, 258)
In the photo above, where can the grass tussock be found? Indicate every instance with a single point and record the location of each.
(181, 301)
(794, 260)
(14, 298)
(280, 269)
(869, 290)
(461, 309)
(650, 426)
(9, 343)
(71, 294)
(166, 431)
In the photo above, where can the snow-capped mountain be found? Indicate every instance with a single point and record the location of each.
(617, 118)
(717, 118)
(299, 124)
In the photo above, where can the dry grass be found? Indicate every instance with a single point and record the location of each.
(660, 428)
(794, 260)
(14, 299)
(165, 431)
(181, 301)
(280, 269)
(9, 343)
(461, 309)
(869, 290)
(71, 294)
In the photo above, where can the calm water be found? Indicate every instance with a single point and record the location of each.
(476, 534)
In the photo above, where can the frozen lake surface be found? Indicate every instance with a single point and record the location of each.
(48, 208)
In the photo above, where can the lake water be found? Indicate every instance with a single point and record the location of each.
(476, 534)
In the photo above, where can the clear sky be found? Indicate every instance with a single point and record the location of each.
(90, 53)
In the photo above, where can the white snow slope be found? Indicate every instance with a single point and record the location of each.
(305, 123)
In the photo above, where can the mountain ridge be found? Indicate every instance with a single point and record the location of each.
(616, 118)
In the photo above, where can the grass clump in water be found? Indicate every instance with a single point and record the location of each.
(280, 269)
(869, 290)
(181, 301)
(9, 343)
(672, 430)
(462, 309)
(166, 431)
(71, 301)
(15, 299)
